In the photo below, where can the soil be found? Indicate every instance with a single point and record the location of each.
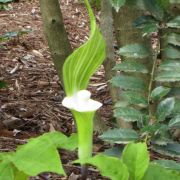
(31, 104)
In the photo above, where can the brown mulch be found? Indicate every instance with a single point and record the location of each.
(31, 104)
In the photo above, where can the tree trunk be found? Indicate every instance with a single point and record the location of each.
(55, 33)
(110, 62)
(127, 34)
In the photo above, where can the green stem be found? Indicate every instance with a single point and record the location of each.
(84, 122)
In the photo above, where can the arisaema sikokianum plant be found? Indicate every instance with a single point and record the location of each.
(77, 70)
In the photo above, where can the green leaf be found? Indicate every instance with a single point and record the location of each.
(171, 52)
(136, 158)
(83, 62)
(142, 21)
(174, 23)
(2, 84)
(120, 136)
(135, 98)
(165, 108)
(154, 7)
(170, 65)
(168, 164)
(129, 83)
(175, 122)
(159, 92)
(131, 66)
(114, 152)
(6, 171)
(148, 29)
(134, 51)
(117, 4)
(5, 1)
(171, 149)
(157, 172)
(129, 114)
(108, 166)
(174, 39)
(39, 153)
(168, 76)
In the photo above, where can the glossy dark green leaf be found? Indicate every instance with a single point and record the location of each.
(171, 52)
(171, 149)
(168, 76)
(175, 122)
(174, 23)
(154, 7)
(170, 65)
(120, 136)
(135, 98)
(174, 39)
(129, 114)
(134, 51)
(131, 66)
(168, 164)
(159, 92)
(165, 108)
(129, 83)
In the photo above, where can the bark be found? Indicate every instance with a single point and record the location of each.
(110, 62)
(55, 33)
(126, 34)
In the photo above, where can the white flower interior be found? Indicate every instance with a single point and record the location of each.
(81, 102)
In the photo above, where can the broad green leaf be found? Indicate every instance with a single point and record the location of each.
(62, 141)
(129, 114)
(159, 92)
(135, 98)
(174, 39)
(175, 122)
(83, 62)
(129, 83)
(117, 4)
(19, 175)
(2, 84)
(157, 172)
(168, 76)
(120, 136)
(171, 52)
(174, 23)
(168, 164)
(154, 7)
(39, 153)
(108, 166)
(165, 108)
(134, 51)
(170, 65)
(131, 66)
(6, 171)
(136, 158)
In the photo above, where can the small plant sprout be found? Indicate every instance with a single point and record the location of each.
(77, 70)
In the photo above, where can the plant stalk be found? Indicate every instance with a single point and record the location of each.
(84, 122)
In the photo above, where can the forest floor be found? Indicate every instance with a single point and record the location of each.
(31, 104)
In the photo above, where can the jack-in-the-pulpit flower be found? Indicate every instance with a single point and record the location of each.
(81, 102)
